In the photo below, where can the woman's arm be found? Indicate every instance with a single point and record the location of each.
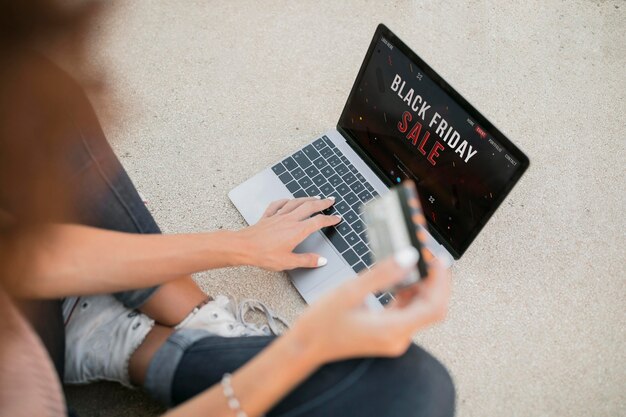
(62, 260)
(336, 327)
(71, 259)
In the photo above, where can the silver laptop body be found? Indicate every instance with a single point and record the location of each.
(462, 182)
(253, 196)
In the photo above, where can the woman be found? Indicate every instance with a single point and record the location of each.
(81, 229)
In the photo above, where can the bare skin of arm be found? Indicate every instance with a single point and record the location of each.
(72, 259)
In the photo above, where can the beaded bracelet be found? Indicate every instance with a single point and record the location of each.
(229, 393)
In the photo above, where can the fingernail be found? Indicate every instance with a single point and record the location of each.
(321, 261)
(318, 197)
(407, 257)
(339, 217)
(331, 198)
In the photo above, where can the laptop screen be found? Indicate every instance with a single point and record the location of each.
(413, 125)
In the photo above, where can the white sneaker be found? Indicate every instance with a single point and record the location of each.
(223, 317)
(100, 336)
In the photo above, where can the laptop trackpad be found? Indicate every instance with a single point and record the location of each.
(306, 278)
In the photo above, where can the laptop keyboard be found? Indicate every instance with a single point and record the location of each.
(321, 169)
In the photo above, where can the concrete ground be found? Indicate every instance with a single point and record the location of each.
(204, 94)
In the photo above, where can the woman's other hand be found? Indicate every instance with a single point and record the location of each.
(340, 326)
(270, 242)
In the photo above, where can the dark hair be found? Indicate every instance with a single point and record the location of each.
(27, 23)
(33, 129)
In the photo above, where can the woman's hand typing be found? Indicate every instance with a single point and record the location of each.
(269, 243)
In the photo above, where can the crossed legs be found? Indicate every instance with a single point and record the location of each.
(414, 384)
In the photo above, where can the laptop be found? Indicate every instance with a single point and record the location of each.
(401, 121)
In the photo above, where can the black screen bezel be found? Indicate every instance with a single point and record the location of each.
(523, 160)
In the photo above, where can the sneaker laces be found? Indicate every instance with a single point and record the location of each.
(248, 305)
(234, 317)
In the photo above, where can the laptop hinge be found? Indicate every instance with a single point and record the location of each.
(368, 161)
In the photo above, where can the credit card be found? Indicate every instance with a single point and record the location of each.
(393, 223)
